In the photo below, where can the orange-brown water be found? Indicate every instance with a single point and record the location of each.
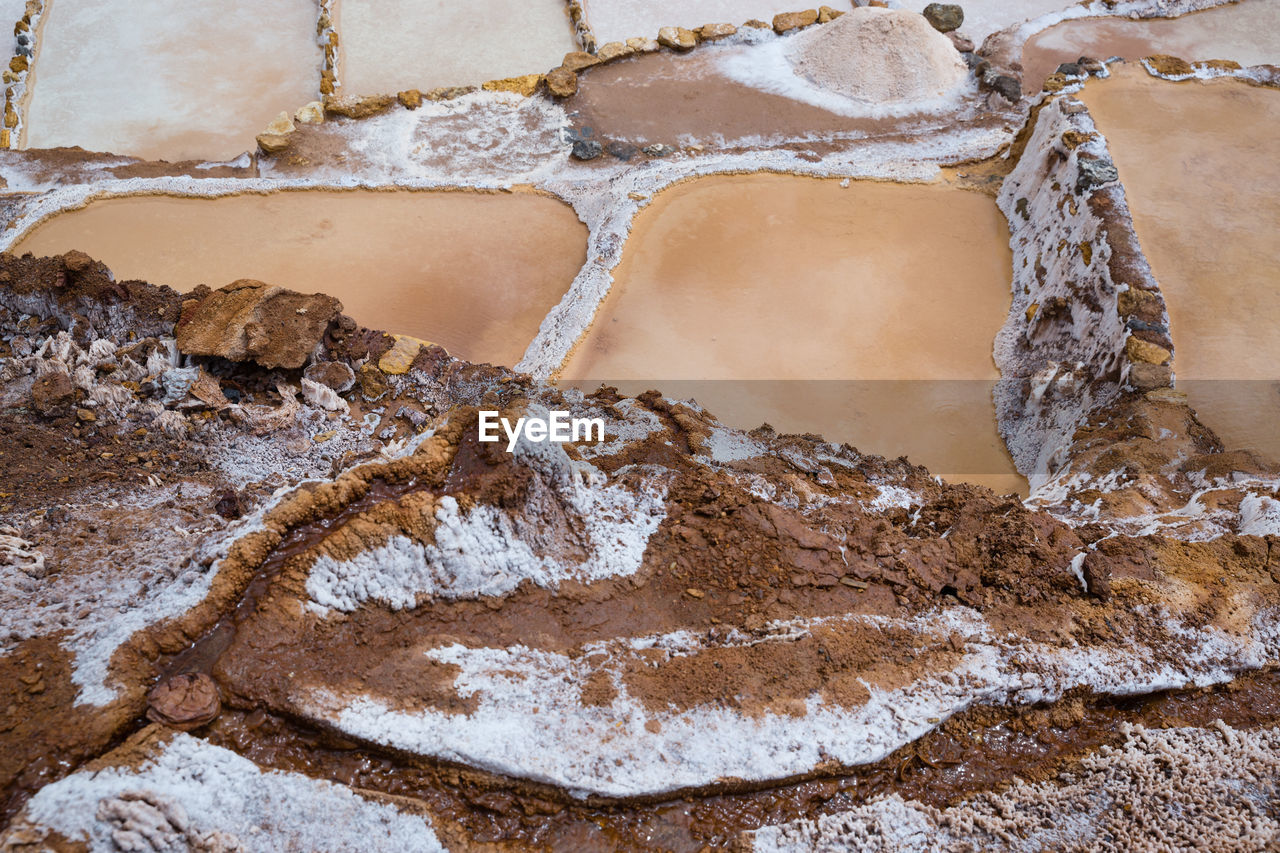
(474, 272)
(1200, 164)
(866, 313)
(1247, 32)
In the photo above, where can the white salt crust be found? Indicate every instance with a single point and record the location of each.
(486, 551)
(1161, 790)
(193, 793)
(530, 720)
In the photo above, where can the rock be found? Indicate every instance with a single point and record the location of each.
(333, 374)
(399, 358)
(251, 321)
(962, 44)
(228, 504)
(944, 17)
(373, 384)
(1094, 172)
(1009, 88)
(711, 32)
(641, 44)
(77, 261)
(579, 60)
(280, 125)
(1097, 575)
(1147, 377)
(613, 50)
(1090, 65)
(312, 113)
(826, 14)
(658, 150)
(86, 415)
(347, 106)
(1070, 69)
(785, 21)
(1139, 350)
(273, 143)
(448, 93)
(410, 99)
(53, 394)
(10, 115)
(18, 64)
(524, 85)
(677, 38)
(184, 702)
(585, 149)
(622, 150)
(561, 82)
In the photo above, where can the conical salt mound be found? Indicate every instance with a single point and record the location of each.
(883, 56)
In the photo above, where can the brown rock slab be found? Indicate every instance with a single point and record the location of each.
(251, 321)
(579, 60)
(53, 394)
(1144, 351)
(273, 143)
(184, 702)
(613, 50)
(711, 32)
(524, 85)
(561, 82)
(410, 99)
(347, 106)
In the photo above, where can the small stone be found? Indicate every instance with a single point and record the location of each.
(353, 107)
(18, 64)
(944, 17)
(280, 125)
(677, 38)
(657, 150)
(1097, 575)
(1094, 172)
(77, 261)
(1089, 65)
(854, 584)
(410, 99)
(273, 143)
(10, 115)
(561, 82)
(373, 384)
(86, 415)
(1169, 66)
(826, 14)
(52, 394)
(711, 32)
(579, 60)
(694, 593)
(586, 149)
(228, 504)
(524, 85)
(1166, 395)
(312, 113)
(640, 44)
(1009, 88)
(613, 50)
(756, 24)
(1148, 377)
(1070, 69)
(962, 44)
(184, 702)
(786, 21)
(1144, 351)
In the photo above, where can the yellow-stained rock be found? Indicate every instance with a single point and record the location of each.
(410, 99)
(641, 44)
(579, 60)
(18, 64)
(312, 113)
(613, 50)
(4, 139)
(525, 85)
(273, 143)
(10, 115)
(1145, 351)
(826, 14)
(281, 125)
(711, 32)
(399, 358)
(1168, 65)
(677, 38)
(785, 21)
(1031, 311)
(561, 82)
(353, 107)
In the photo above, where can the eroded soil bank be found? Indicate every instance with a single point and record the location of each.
(1198, 164)
(473, 272)
(865, 313)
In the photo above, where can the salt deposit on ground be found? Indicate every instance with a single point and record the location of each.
(391, 45)
(170, 81)
(879, 56)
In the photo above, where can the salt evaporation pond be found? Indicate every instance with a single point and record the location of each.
(1207, 224)
(172, 81)
(619, 20)
(473, 272)
(1247, 32)
(865, 313)
(391, 45)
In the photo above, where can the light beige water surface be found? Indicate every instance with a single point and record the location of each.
(474, 272)
(866, 313)
(1200, 163)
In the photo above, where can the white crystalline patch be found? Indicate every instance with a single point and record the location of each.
(530, 720)
(891, 497)
(195, 789)
(730, 445)
(1259, 516)
(482, 551)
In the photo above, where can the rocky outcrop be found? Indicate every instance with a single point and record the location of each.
(251, 321)
(944, 17)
